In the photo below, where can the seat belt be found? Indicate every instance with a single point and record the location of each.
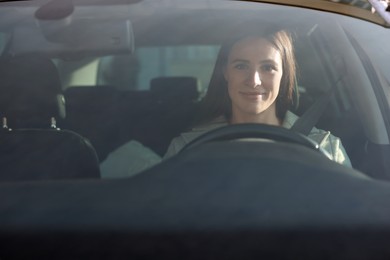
(309, 119)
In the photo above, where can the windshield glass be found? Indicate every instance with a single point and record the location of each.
(139, 81)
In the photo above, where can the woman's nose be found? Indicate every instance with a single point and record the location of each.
(255, 79)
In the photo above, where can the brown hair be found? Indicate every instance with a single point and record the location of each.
(217, 101)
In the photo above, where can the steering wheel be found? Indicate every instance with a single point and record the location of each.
(257, 131)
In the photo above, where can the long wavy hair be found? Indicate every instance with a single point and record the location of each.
(217, 102)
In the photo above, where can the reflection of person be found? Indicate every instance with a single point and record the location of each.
(253, 82)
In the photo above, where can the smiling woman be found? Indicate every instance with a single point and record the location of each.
(253, 59)
(253, 82)
(253, 74)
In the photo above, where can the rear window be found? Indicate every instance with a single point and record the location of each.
(134, 72)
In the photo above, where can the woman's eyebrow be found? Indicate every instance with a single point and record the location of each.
(260, 62)
(268, 61)
(239, 60)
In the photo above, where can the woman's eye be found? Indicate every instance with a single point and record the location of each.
(241, 66)
(268, 67)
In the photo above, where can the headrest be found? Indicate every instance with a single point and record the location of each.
(30, 91)
(183, 88)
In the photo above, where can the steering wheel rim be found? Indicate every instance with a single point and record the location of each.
(260, 131)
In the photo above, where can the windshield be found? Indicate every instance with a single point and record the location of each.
(136, 79)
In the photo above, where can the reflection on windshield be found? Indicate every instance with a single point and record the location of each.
(382, 7)
(372, 10)
(3, 41)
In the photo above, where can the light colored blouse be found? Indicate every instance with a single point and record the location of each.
(324, 139)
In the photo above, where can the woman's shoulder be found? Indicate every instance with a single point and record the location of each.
(201, 129)
(324, 139)
(216, 123)
(290, 120)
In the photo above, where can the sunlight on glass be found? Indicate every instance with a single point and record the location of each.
(382, 7)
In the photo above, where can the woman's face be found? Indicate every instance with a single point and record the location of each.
(253, 73)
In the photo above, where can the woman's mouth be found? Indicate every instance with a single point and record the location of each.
(253, 95)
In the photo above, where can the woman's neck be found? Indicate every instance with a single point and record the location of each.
(267, 117)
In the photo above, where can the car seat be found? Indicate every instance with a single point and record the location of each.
(175, 104)
(33, 147)
(31, 93)
(105, 115)
(179, 88)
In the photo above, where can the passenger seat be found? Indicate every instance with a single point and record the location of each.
(32, 146)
